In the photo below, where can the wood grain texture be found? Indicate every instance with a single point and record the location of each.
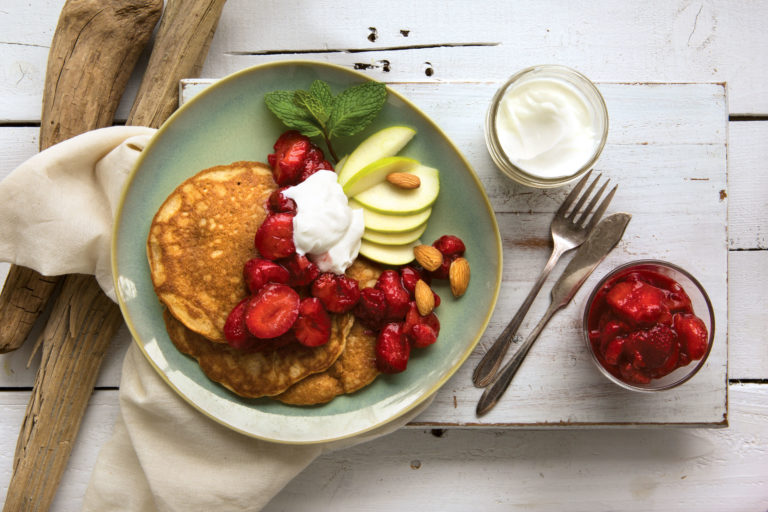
(748, 185)
(93, 52)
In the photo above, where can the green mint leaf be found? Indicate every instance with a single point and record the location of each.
(322, 91)
(313, 105)
(356, 108)
(292, 115)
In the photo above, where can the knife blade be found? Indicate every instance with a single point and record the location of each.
(600, 242)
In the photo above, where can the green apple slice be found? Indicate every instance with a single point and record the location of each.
(340, 164)
(392, 200)
(388, 254)
(376, 172)
(386, 142)
(402, 238)
(391, 223)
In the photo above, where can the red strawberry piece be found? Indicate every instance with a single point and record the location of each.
(693, 335)
(632, 375)
(274, 238)
(639, 303)
(409, 276)
(450, 245)
(654, 345)
(235, 331)
(315, 161)
(371, 309)
(611, 330)
(396, 296)
(301, 269)
(392, 349)
(272, 311)
(278, 203)
(670, 365)
(420, 336)
(313, 326)
(287, 161)
(258, 272)
(337, 293)
(614, 350)
(443, 269)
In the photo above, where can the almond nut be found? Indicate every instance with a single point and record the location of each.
(425, 299)
(404, 180)
(428, 257)
(458, 276)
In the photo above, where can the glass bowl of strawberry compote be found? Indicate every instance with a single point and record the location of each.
(649, 325)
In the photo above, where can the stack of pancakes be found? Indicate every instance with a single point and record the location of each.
(198, 242)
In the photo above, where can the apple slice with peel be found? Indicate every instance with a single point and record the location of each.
(402, 238)
(386, 142)
(392, 200)
(376, 172)
(388, 254)
(391, 223)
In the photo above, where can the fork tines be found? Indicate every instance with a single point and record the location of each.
(576, 192)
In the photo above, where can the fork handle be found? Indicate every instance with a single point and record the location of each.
(489, 364)
(500, 382)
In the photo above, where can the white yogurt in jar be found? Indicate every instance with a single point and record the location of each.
(547, 127)
(325, 227)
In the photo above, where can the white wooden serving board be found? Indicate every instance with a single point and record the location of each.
(667, 151)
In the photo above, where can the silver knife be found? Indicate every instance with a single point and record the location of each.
(600, 242)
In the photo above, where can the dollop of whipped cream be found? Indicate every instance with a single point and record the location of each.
(325, 228)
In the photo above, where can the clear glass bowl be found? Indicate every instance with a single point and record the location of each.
(702, 307)
(590, 93)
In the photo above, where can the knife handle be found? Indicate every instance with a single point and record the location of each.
(501, 381)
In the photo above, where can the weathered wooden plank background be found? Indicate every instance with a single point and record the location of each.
(446, 56)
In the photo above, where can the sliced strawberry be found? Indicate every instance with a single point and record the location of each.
(632, 375)
(301, 269)
(371, 309)
(392, 349)
(693, 335)
(337, 293)
(423, 336)
(671, 364)
(259, 271)
(287, 161)
(272, 311)
(611, 330)
(314, 161)
(654, 345)
(450, 245)
(313, 326)
(274, 238)
(235, 331)
(396, 296)
(278, 203)
(638, 302)
(614, 350)
(420, 337)
(410, 275)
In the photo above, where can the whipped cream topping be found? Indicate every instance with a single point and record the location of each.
(325, 228)
(546, 127)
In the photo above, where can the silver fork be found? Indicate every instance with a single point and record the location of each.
(568, 232)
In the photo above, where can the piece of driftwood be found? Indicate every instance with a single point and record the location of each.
(82, 312)
(93, 52)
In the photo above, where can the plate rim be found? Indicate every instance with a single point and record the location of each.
(136, 339)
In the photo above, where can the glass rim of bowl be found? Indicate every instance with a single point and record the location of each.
(710, 338)
(500, 157)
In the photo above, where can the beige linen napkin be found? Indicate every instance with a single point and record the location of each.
(56, 213)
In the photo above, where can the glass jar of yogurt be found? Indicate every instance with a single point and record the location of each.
(546, 126)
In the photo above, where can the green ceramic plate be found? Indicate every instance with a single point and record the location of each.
(229, 122)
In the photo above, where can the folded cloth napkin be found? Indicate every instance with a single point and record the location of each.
(56, 215)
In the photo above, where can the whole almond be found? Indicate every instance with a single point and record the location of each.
(404, 180)
(458, 276)
(425, 299)
(428, 257)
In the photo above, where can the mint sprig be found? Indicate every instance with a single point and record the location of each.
(318, 112)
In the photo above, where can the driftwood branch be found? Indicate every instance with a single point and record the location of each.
(83, 319)
(93, 52)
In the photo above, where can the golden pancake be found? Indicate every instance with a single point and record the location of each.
(257, 374)
(355, 369)
(200, 239)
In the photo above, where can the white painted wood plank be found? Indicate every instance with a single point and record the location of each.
(579, 470)
(659, 40)
(748, 321)
(748, 185)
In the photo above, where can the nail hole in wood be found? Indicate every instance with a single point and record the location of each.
(374, 35)
(404, 33)
(429, 71)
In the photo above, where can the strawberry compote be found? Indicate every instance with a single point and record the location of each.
(642, 327)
